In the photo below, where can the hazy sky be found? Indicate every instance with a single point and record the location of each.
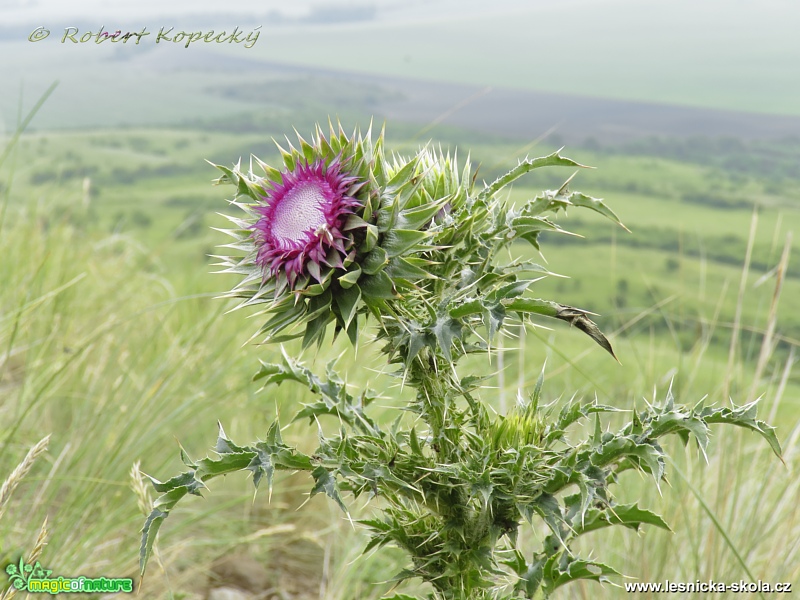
(25, 11)
(34, 11)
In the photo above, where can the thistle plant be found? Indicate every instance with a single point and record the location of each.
(344, 234)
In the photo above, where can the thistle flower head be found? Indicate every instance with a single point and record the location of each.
(301, 220)
(341, 231)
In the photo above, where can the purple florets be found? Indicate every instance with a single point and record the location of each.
(302, 218)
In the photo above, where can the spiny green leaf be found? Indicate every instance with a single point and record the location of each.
(398, 241)
(628, 515)
(370, 238)
(315, 329)
(326, 482)
(377, 286)
(375, 261)
(743, 416)
(557, 574)
(282, 320)
(530, 580)
(644, 454)
(418, 339)
(319, 306)
(354, 222)
(350, 278)
(149, 532)
(417, 217)
(352, 332)
(261, 466)
(227, 463)
(574, 316)
(526, 225)
(554, 159)
(347, 302)
(185, 480)
(494, 316)
(224, 445)
(404, 269)
(228, 176)
(675, 421)
(595, 204)
(467, 308)
(509, 291)
(538, 306)
(402, 177)
(446, 329)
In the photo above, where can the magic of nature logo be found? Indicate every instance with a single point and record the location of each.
(36, 579)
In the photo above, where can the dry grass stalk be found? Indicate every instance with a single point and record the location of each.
(140, 489)
(740, 304)
(41, 542)
(18, 474)
(772, 318)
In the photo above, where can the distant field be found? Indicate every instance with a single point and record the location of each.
(689, 222)
(715, 54)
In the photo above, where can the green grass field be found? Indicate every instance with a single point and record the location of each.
(112, 343)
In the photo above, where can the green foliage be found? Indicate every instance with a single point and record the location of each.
(458, 519)
(261, 460)
(456, 485)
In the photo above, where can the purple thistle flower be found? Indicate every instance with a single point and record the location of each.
(301, 221)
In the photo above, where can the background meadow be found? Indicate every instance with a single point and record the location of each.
(112, 342)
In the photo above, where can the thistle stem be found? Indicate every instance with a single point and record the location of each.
(434, 394)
